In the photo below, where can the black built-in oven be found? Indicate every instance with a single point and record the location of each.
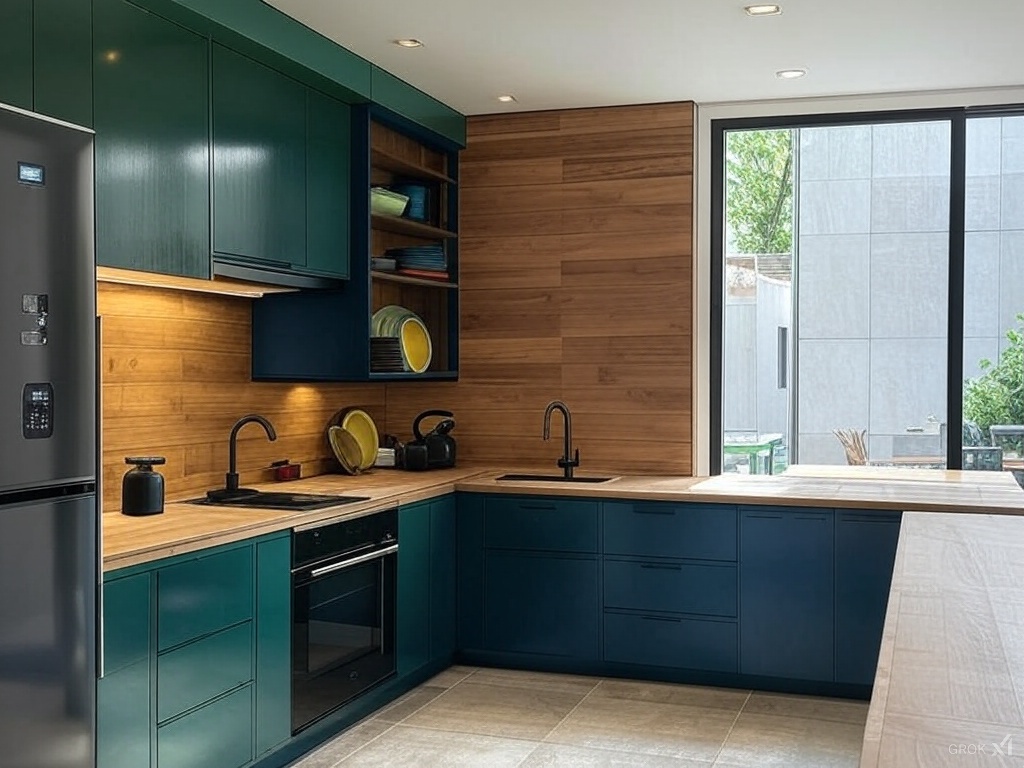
(343, 612)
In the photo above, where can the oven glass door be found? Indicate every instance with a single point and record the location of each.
(342, 635)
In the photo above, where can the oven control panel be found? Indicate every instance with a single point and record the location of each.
(347, 537)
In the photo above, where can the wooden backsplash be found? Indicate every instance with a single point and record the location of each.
(575, 268)
(175, 369)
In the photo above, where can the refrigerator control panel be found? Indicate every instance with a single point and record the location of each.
(37, 411)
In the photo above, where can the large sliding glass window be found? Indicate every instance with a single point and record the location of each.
(868, 291)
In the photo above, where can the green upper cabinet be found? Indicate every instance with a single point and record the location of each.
(62, 60)
(259, 162)
(16, 53)
(413, 104)
(328, 159)
(152, 142)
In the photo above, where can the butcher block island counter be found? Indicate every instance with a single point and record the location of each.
(188, 527)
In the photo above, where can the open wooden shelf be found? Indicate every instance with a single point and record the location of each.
(388, 162)
(401, 226)
(394, 277)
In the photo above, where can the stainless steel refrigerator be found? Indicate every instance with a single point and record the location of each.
(49, 558)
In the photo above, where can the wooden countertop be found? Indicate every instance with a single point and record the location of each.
(949, 689)
(811, 486)
(187, 527)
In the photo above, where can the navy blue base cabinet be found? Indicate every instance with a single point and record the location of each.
(541, 603)
(865, 552)
(786, 593)
(789, 599)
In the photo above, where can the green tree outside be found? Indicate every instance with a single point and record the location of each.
(759, 191)
(997, 396)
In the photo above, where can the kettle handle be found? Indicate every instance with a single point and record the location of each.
(427, 414)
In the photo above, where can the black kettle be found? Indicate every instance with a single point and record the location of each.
(434, 450)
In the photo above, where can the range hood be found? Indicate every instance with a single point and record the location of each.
(271, 273)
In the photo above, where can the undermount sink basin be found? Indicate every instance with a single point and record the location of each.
(555, 479)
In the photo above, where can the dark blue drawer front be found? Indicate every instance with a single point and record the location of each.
(661, 529)
(540, 523)
(663, 642)
(698, 588)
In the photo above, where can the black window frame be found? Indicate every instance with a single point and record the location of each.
(957, 118)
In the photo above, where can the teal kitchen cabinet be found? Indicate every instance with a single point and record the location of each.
(124, 692)
(413, 631)
(426, 584)
(328, 163)
(273, 642)
(865, 550)
(151, 92)
(259, 163)
(198, 652)
(62, 60)
(787, 602)
(16, 53)
(443, 579)
(469, 554)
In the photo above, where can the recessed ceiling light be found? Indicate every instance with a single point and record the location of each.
(409, 42)
(763, 10)
(790, 74)
(506, 98)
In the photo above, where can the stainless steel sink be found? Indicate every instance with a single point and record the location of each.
(555, 479)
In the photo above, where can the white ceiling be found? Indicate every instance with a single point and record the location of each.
(575, 53)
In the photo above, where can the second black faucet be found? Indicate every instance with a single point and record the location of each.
(569, 461)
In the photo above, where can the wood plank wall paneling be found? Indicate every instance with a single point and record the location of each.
(176, 368)
(575, 267)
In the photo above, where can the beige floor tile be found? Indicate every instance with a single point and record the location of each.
(340, 747)
(415, 699)
(421, 748)
(513, 678)
(515, 711)
(772, 741)
(665, 693)
(644, 727)
(451, 676)
(561, 756)
(814, 707)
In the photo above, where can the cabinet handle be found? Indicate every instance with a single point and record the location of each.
(809, 517)
(763, 517)
(661, 566)
(653, 511)
(661, 618)
(538, 507)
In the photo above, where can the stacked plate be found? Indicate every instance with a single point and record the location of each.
(353, 438)
(408, 329)
(428, 257)
(386, 355)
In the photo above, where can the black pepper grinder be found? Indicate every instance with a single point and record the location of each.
(142, 489)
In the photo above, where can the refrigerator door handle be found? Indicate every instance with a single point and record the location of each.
(100, 651)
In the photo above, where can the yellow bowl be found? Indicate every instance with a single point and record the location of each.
(346, 449)
(361, 426)
(416, 347)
